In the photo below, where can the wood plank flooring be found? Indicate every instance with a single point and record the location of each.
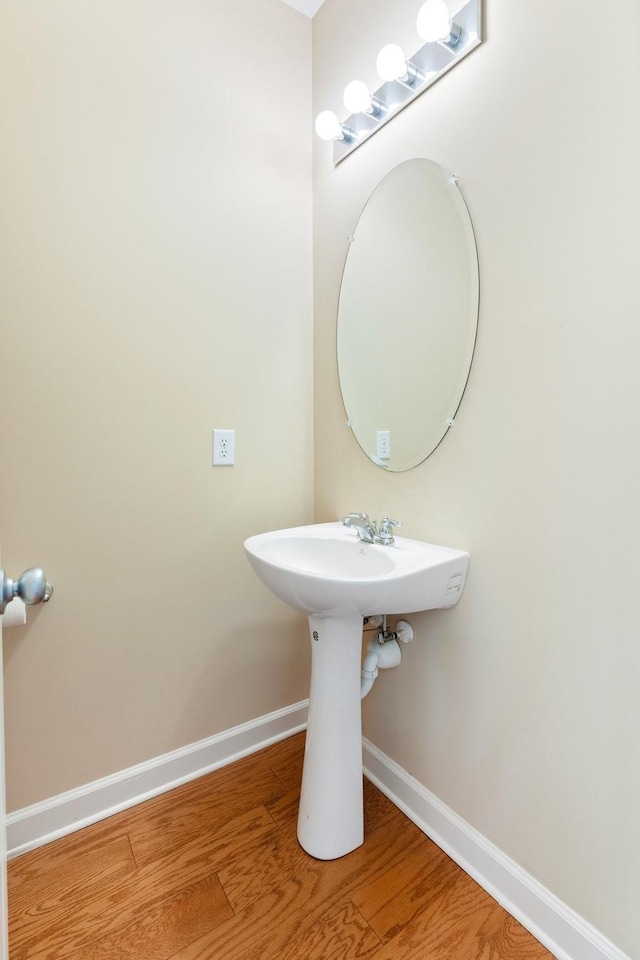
(213, 871)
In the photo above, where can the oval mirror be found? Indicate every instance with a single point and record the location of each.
(408, 314)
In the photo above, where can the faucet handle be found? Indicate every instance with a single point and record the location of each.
(384, 533)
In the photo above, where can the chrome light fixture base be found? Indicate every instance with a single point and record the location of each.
(431, 61)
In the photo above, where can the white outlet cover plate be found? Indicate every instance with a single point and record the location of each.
(224, 442)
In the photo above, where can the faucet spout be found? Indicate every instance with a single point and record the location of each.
(365, 528)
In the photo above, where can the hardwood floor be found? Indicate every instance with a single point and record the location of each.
(213, 871)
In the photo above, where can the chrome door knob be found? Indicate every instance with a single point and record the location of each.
(32, 587)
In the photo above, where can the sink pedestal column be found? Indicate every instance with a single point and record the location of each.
(330, 818)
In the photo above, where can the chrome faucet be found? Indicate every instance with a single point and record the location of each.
(366, 528)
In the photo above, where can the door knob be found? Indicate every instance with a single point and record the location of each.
(32, 587)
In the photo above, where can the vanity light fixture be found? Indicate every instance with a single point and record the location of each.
(446, 42)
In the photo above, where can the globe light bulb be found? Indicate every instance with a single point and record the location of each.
(357, 98)
(391, 63)
(434, 22)
(328, 127)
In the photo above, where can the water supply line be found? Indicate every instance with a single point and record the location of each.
(383, 652)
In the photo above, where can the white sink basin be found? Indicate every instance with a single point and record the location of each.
(325, 569)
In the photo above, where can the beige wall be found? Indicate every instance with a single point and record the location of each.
(520, 708)
(155, 283)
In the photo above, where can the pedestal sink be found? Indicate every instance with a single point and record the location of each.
(325, 571)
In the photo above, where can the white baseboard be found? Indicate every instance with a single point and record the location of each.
(40, 823)
(553, 923)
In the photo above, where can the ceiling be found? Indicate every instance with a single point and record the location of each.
(308, 7)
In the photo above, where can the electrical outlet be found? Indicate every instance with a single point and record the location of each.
(224, 443)
(383, 443)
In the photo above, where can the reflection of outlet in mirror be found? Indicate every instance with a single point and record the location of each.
(383, 444)
(223, 448)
